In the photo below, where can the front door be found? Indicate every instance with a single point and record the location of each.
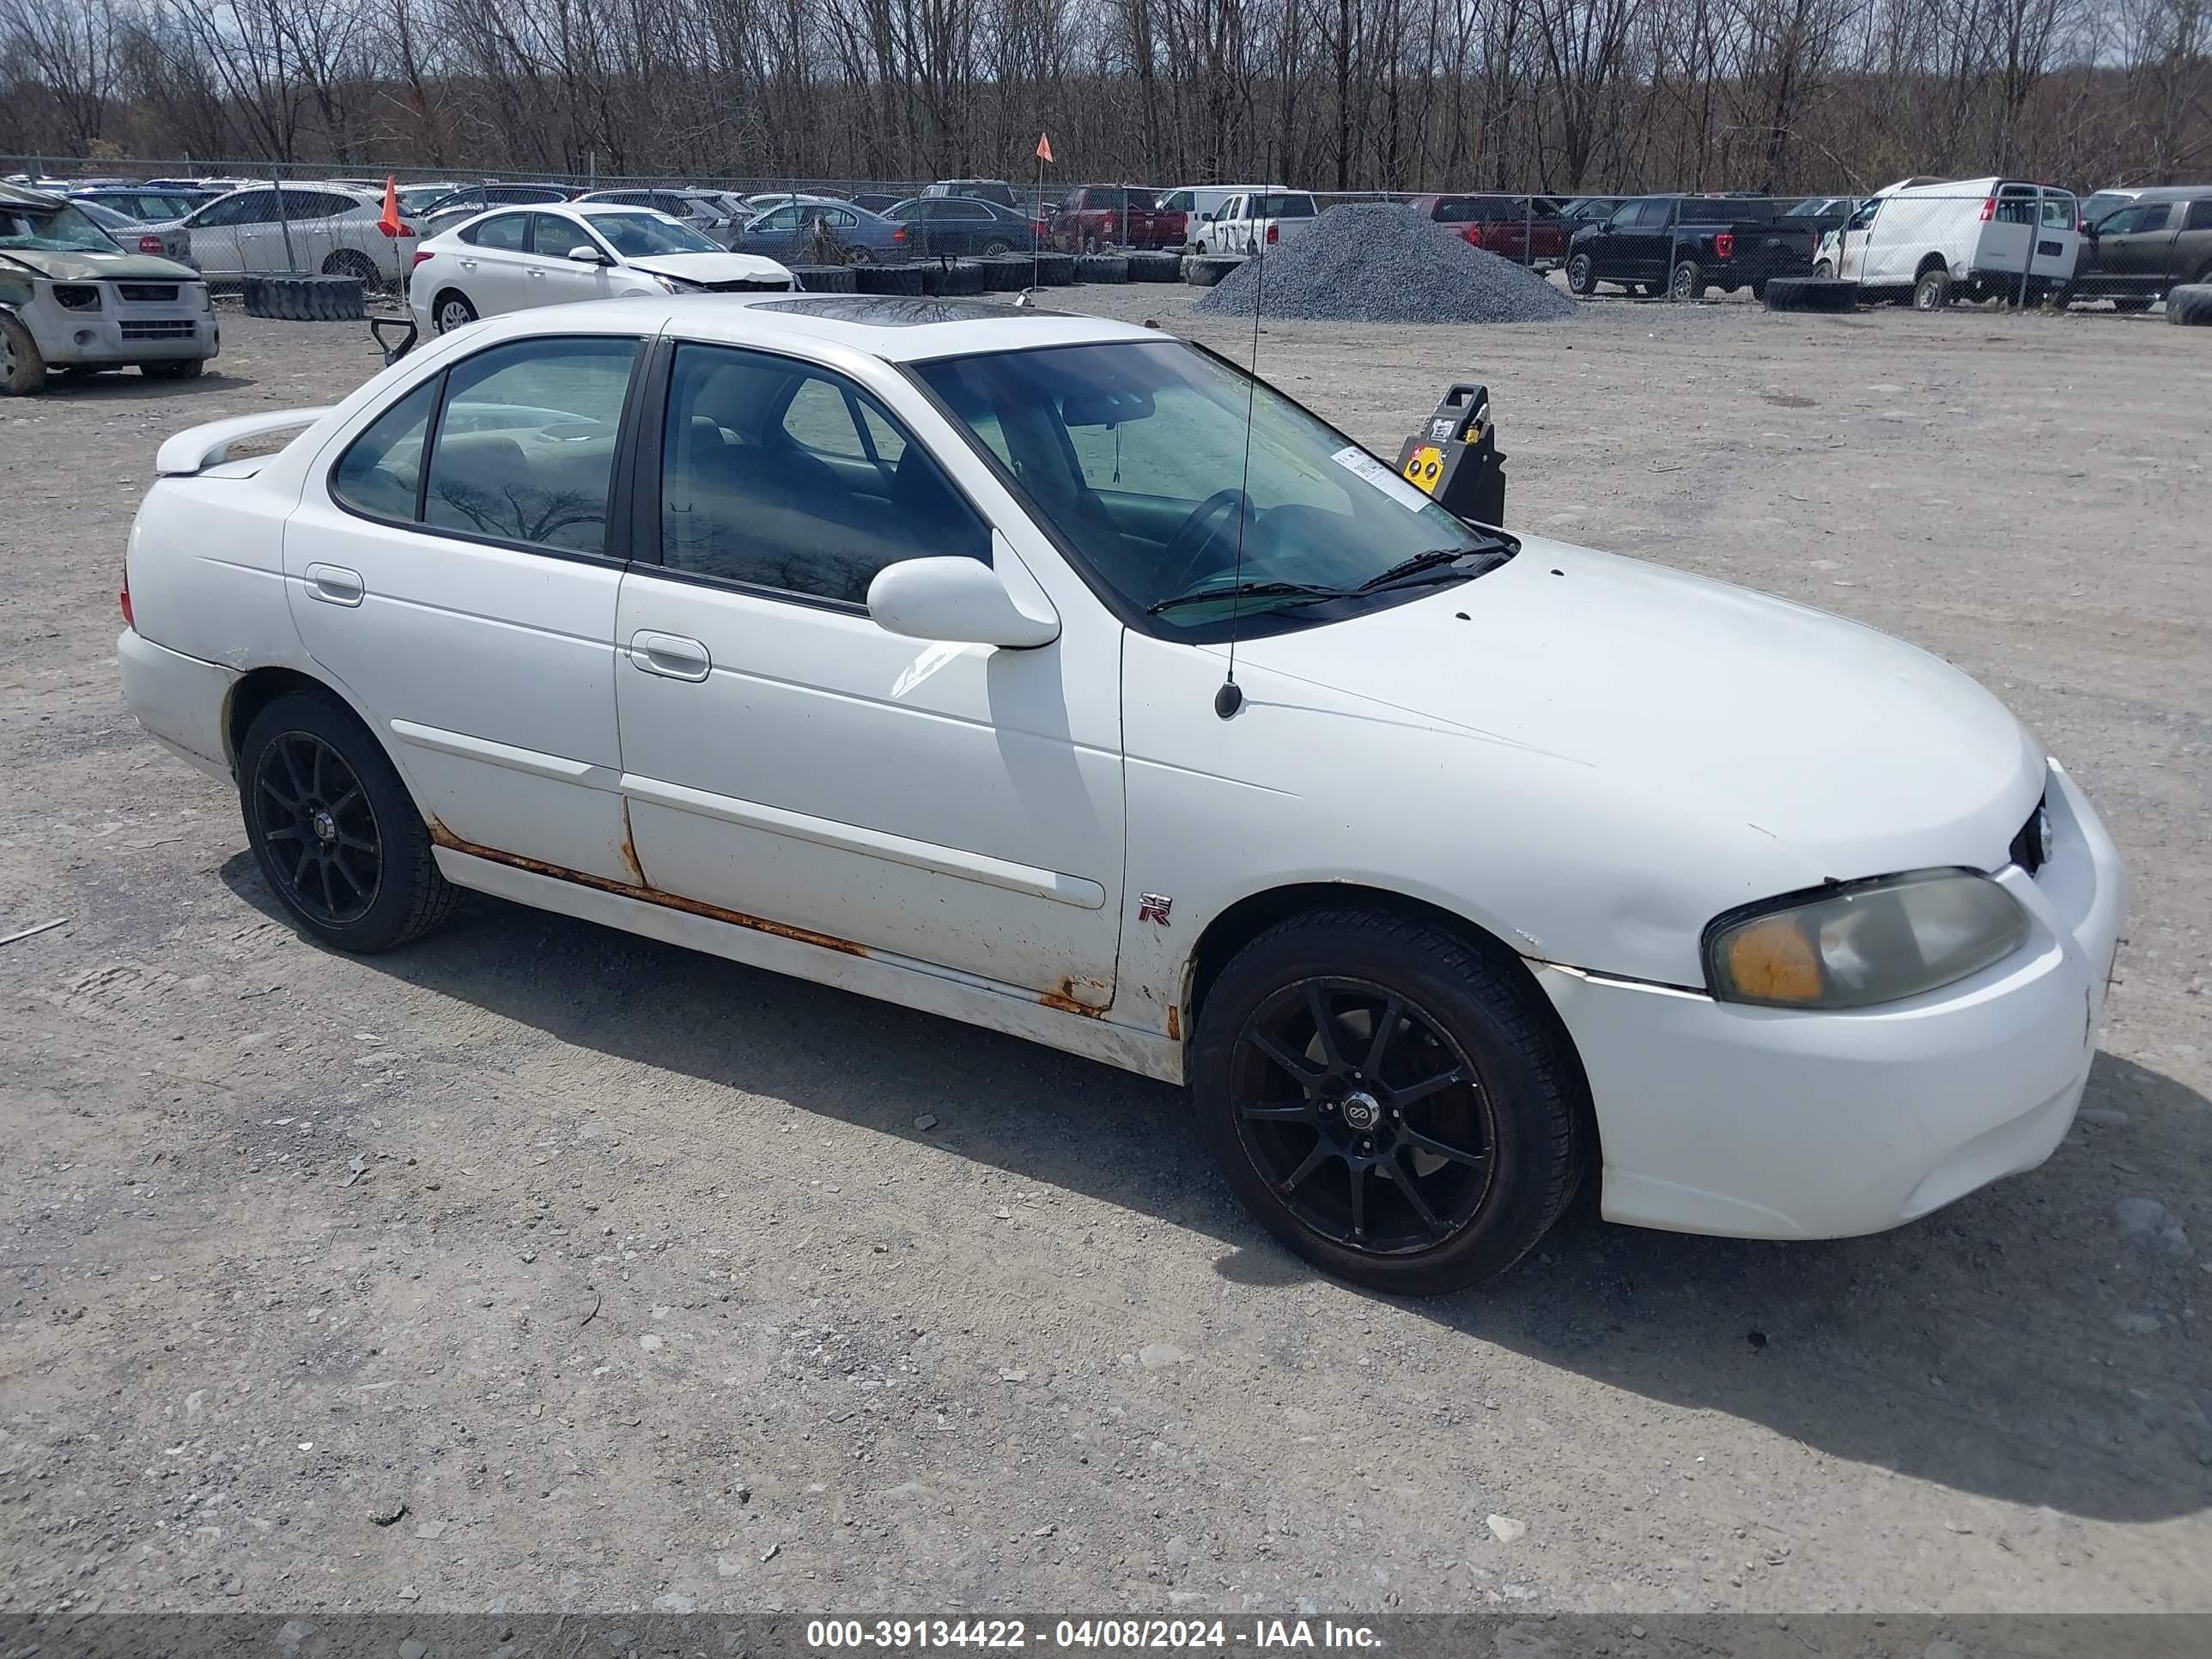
(550, 277)
(786, 759)
(2132, 247)
(469, 607)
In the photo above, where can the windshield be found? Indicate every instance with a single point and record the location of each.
(640, 235)
(1135, 454)
(64, 230)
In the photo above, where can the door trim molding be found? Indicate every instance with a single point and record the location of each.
(1077, 891)
(559, 768)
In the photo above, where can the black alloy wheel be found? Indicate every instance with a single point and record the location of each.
(315, 817)
(1366, 1118)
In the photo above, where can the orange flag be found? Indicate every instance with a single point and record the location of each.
(1044, 148)
(389, 222)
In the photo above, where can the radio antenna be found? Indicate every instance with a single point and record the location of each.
(1230, 697)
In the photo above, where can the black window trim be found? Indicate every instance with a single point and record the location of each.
(618, 513)
(647, 460)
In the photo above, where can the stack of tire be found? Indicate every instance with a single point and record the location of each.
(1102, 268)
(1055, 270)
(2190, 305)
(1155, 266)
(1004, 273)
(1809, 294)
(1206, 269)
(823, 279)
(297, 299)
(953, 277)
(889, 279)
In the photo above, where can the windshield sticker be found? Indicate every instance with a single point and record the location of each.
(1352, 459)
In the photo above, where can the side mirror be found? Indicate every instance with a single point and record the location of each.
(584, 254)
(958, 600)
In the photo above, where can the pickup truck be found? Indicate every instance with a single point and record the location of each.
(1528, 231)
(1251, 218)
(1680, 246)
(1115, 215)
(2135, 253)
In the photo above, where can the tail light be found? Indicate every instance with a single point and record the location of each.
(1724, 245)
(899, 234)
(124, 597)
(1474, 235)
(149, 245)
(1274, 234)
(421, 254)
(1988, 209)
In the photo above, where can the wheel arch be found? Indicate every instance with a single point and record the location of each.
(258, 687)
(1239, 924)
(1932, 260)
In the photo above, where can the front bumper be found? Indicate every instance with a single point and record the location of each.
(1768, 1123)
(117, 333)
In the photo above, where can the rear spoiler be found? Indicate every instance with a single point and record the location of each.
(202, 447)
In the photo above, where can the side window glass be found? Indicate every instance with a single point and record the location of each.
(2200, 216)
(381, 470)
(2060, 213)
(505, 231)
(797, 504)
(525, 447)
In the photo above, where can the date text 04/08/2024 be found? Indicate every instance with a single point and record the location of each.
(1202, 1636)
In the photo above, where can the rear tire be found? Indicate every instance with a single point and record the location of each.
(22, 366)
(451, 309)
(1932, 292)
(336, 836)
(1324, 1132)
(352, 261)
(1687, 284)
(997, 245)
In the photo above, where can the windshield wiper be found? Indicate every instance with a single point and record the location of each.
(1306, 591)
(1434, 559)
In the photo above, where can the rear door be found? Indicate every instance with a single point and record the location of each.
(2190, 260)
(2057, 237)
(494, 264)
(468, 606)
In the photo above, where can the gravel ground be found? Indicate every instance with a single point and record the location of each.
(1372, 263)
(668, 1282)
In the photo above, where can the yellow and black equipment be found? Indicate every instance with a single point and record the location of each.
(1455, 457)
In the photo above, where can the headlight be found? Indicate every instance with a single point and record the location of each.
(1867, 942)
(674, 285)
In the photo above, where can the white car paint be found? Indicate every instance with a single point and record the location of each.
(1251, 219)
(1589, 757)
(1982, 232)
(469, 260)
(333, 230)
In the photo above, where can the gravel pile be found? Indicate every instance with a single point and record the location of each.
(1370, 262)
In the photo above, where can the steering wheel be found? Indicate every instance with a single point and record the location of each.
(1195, 535)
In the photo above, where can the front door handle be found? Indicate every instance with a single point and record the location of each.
(333, 584)
(670, 655)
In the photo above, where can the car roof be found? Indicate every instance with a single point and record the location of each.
(2161, 192)
(890, 327)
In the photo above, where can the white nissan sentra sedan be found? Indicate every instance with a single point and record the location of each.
(885, 642)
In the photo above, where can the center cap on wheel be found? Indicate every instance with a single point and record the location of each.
(1362, 1110)
(326, 827)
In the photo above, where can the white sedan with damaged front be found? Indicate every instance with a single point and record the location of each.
(885, 642)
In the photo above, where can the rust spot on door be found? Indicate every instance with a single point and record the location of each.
(1175, 1023)
(629, 848)
(637, 890)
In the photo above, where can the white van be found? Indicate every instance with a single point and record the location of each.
(1936, 241)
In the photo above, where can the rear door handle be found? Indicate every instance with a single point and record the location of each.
(333, 584)
(468, 264)
(673, 656)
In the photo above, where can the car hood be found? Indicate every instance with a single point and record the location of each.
(712, 267)
(1711, 715)
(66, 267)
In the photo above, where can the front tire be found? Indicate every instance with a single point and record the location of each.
(1581, 276)
(337, 835)
(22, 367)
(1386, 1101)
